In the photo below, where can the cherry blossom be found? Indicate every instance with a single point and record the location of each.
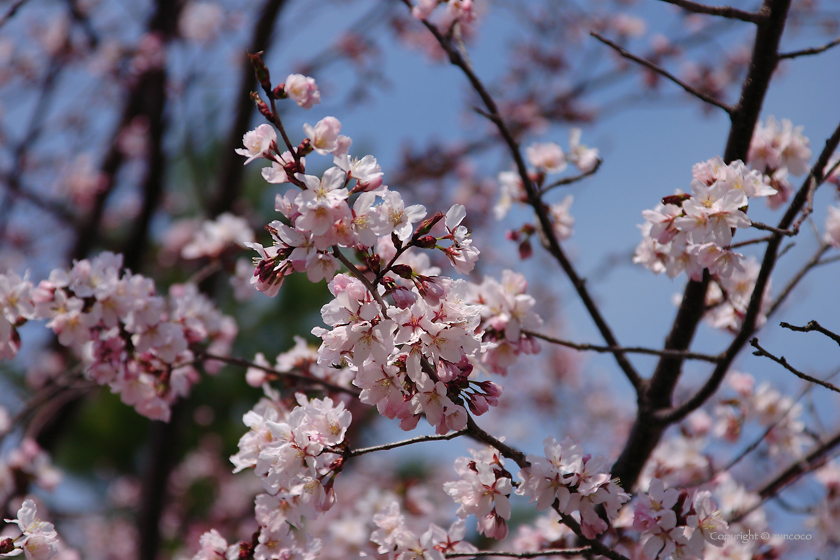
(258, 143)
(303, 90)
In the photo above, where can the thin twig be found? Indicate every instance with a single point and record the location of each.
(363, 279)
(722, 11)
(783, 362)
(814, 261)
(511, 453)
(811, 462)
(661, 71)
(751, 241)
(403, 443)
(811, 327)
(574, 179)
(765, 227)
(812, 50)
(752, 446)
(241, 362)
(533, 554)
(11, 12)
(754, 308)
(628, 349)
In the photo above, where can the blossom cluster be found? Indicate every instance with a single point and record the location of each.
(16, 307)
(547, 158)
(38, 539)
(462, 11)
(407, 336)
(779, 151)
(27, 463)
(296, 454)
(138, 343)
(693, 232)
(410, 335)
(399, 542)
(675, 525)
(577, 482)
(779, 414)
(217, 235)
(483, 491)
(727, 298)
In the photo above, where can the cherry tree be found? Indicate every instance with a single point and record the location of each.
(399, 298)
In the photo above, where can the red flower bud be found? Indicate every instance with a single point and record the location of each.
(261, 71)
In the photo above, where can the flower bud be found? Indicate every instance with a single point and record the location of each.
(262, 107)
(305, 148)
(261, 71)
(279, 92)
(7, 545)
(426, 225)
(426, 242)
(675, 199)
(374, 263)
(525, 250)
(402, 270)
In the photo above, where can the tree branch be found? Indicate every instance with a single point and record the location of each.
(597, 546)
(661, 71)
(534, 554)
(722, 11)
(811, 462)
(574, 179)
(412, 441)
(813, 326)
(761, 352)
(535, 201)
(11, 12)
(754, 307)
(232, 170)
(627, 349)
(812, 50)
(241, 362)
(655, 411)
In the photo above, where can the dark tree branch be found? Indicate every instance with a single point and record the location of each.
(596, 545)
(811, 462)
(655, 411)
(627, 349)
(765, 227)
(783, 362)
(551, 242)
(722, 11)
(754, 307)
(662, 72)
(232, 170)
(812, 50)
(11, 12)
(811, 327)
